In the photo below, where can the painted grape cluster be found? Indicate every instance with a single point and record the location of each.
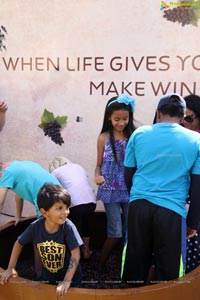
(183, 12)
(51, 126)
(180, 14)
(52, 129)
(3, 32)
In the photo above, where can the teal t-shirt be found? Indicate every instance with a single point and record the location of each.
(25, 178)
(165, 156)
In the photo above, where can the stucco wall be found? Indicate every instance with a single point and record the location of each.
(70, 57)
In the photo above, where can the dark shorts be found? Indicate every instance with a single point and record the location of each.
(155, 235)
(80, 216)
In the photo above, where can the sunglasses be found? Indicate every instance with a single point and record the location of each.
(189, 118)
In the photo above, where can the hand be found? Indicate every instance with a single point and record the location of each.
(100, 180)
(62, 288)
(190, 232)
(10, 272)
(187, 206)
(17, 220)
(3, 106)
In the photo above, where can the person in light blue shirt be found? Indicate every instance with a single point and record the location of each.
(24, 178)
(171, 162)
(162, 162)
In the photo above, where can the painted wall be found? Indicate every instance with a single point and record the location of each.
(70, 57)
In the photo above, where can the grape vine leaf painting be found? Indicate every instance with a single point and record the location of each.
(183, 12)
(51, 126)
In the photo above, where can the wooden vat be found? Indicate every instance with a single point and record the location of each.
(187, 288)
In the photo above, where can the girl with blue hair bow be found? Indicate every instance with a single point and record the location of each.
(109, 172)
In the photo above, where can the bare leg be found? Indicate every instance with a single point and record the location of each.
(86, 248)
(151, 275)
(108, 246)
(37, 263)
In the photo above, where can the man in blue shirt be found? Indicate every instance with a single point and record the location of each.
(162, 163)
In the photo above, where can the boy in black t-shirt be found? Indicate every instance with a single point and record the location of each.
(56, 239)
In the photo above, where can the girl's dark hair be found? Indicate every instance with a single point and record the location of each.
(49, 194)
(107, 124)
(193, 103)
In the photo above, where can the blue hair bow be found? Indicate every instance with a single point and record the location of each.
(124, 98)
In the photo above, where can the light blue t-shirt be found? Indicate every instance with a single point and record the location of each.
(165, 156)
(25, 178)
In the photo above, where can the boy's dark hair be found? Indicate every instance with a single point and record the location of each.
(107, 124)
(173, 105)
(172, 111)
(49, 194)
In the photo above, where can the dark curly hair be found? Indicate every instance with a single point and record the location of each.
(193, 103)
(49, 194)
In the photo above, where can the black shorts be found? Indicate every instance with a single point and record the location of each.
(155, 235)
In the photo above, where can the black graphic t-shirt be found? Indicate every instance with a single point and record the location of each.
(54, 249)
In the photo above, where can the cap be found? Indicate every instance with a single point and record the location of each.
(173, 100)
(58, 162)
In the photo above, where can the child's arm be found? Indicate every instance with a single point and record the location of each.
(99, 179)
(73, 264)
(19, 207)
(16, 251)
(3, 193)
(3, 108)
